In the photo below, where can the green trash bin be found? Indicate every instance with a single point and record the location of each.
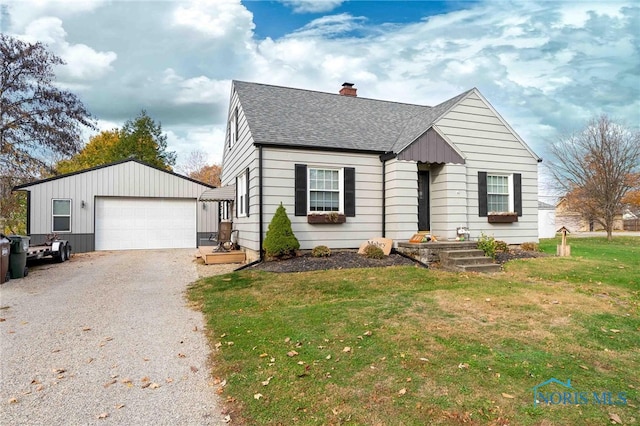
(18, 258)
(5, 250)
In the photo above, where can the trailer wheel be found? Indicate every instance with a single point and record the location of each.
(60, 256)
(67, 248)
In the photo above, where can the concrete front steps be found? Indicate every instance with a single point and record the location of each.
(468, 260)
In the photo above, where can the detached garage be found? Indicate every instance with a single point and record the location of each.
(120, 206)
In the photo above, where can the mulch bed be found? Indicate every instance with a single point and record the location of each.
(347, 259)
(343, 259)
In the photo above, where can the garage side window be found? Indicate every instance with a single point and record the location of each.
(61, 216)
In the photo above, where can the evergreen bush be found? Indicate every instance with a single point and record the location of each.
(280, 242)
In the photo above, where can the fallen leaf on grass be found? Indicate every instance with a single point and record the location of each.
(506, 395)
(367, 333)
(257, 396)
(613, 330)
(292, 353)
(264, 355)
(287, 339)
(615, 418)
(402, 391)
(584, 367)
(346, 349)
(463, 365)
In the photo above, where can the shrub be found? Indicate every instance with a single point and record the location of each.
(280, 241)
(487, 244)
(501, 246)
(373, 252)
(529, 246)
(321, 251)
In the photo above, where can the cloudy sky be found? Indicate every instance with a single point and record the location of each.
(546, 66)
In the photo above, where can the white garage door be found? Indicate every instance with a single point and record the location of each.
(145, 223)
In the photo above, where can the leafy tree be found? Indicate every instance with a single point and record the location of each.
(36, 117)
(13, 207)
(143, 139)
(101, 149)
(596, 168)
(195, 166)
(280, 241)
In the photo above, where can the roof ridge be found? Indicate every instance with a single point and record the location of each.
(328, 93)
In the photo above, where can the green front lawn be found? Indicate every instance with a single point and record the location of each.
(414, 346)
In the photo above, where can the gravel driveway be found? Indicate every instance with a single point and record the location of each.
(106, 338)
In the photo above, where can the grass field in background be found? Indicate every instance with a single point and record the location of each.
(406, 345)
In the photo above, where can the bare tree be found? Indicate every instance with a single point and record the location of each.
(36, 117)
(195, 166)
(596, 168)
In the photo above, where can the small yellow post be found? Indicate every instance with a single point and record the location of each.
(563, 249)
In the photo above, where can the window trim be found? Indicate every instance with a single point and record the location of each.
(54, 216)
(242, 193)
(232, 133)
(509, 194)
(340, 190)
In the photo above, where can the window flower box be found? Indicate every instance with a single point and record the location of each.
(503, 217)
(326, 218)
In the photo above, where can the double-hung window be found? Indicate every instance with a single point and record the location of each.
(498, 194)
(325, 188)
(61, 212)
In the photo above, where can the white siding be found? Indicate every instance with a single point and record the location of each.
(236, 159)
(449, 199)
(401, 186)
(489, 145)
(128, 179)
(279, 187)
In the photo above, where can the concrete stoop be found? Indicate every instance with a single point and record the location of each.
(469, 260)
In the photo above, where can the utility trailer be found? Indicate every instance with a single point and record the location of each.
(58, 249)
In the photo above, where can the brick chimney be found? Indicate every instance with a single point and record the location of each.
(348, 90)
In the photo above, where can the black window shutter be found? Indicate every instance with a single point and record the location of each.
(349, 191)
(517, 193)
(301, 189)
(482, 194)
(246, 197)
(237, 200)
(235, 122)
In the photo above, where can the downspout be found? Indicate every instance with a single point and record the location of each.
(261, 225)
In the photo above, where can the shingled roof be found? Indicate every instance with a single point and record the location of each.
(295, 117)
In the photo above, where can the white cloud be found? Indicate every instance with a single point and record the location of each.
(218, 19)
(312, 6)
(23, 12)
(195, 90)
(330, 26)
(82, 62)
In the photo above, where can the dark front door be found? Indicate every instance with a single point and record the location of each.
(424, 218)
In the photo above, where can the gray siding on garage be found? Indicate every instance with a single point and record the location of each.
(125, 179)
